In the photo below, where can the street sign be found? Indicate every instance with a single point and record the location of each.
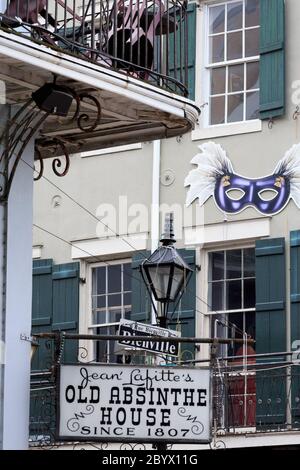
(134, 403)
(129, 329)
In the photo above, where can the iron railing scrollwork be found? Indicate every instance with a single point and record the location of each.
(260, 396)
(23, 125)
(145, 39)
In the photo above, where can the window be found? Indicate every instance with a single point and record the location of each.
(232, 294)
(232, 61)
(111, 301)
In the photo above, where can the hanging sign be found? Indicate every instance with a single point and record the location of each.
(134, 403)
(129, 329)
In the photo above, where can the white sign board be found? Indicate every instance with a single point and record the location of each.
(129, 329)
(134, 403)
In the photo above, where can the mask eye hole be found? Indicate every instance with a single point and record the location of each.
(235, 194)
(267, 195)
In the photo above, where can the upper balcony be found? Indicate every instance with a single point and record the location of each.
(126, 62)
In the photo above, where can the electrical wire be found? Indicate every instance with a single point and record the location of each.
(96, 258)
(81, 206)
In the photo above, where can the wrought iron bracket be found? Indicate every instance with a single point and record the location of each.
(24, 126)
(19, 130)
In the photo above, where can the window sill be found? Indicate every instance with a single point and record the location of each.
(224, 130)
(120, 148)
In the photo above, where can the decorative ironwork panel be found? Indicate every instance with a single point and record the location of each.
(146, 39)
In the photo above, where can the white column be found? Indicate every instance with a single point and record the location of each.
(18, 306)
(4, 114)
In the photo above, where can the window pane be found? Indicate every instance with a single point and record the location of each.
(127, 314)
(252, 105)
(249, 293)
(100, 274)
(233, 295)
(252, 13)
(252, 75)
(114, 316)
(233, 264)
(216, 49)
(99, 301)
(218, 80)
(235, 16)
(217, 265)
(236, 319)
(249, 262)
(94, 281)
(217, 110)
(235, 78)
(99, 317)
(114, 300)
(114, 278)
(101, 347)
(216, 19)
(127, 299)
(252, 42)
(127, 276)
(235, 108)
(250, 325)
(234, 45)
(217, 296)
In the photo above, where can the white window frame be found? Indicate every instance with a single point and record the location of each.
(213, 313)
(89, 324)
(227, 311)
(204, 130)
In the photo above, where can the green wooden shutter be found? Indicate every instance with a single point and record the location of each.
(175, 71)
(42, 309)
(41, 421)
(55, 307)
(65, 279)
(295, 320)
(141, 303)
(184, 316)
(272, 58)
(270, 330)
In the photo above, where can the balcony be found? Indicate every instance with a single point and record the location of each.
(259, 400)
(125, 61)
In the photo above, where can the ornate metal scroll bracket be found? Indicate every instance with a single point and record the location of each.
(20, 129)
(54, 146)
(24, 125)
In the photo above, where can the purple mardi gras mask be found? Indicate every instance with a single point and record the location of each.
(233, 193)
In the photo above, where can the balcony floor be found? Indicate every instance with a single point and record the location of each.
(132, 110)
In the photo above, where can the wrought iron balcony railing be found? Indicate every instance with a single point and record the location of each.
(265, 397)
(147, 39)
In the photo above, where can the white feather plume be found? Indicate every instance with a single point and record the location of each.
(212, 163)
(289, 167)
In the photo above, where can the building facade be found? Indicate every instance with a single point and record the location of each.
(69, 83)
(233, 186)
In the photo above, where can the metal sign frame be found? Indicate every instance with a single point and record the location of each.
(170, 334)
(133, 439)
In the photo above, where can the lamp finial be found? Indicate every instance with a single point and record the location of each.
(168, 237)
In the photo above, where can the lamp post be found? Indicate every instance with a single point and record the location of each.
(166, 274)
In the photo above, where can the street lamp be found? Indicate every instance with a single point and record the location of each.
(166, 274)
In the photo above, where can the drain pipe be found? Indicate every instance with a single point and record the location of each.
(155, 232)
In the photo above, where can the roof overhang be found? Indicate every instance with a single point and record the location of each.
(132, 110)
